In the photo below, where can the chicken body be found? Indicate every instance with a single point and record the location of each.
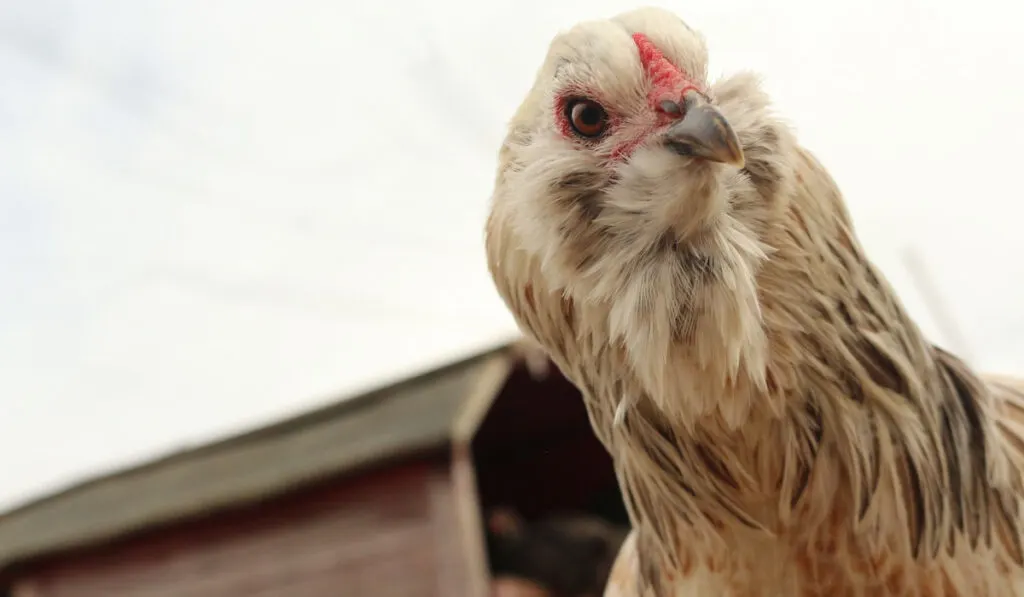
(779, 425)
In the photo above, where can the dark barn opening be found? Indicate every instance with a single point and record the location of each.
(535, 452)
(547, 489)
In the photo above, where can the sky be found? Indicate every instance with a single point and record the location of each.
(217, 214)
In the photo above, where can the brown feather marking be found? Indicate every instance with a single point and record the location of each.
(763, 170)
(582, 190)
(996, 508)
(1016, 441)
(715, 466)
(1007, 526)
(880, 366)
(580, 196)
(813, 411)
(528, 296)
(949, 444)
(914, 500)
(569, 314)
(702, 270)
(875, 474)
(964, 401)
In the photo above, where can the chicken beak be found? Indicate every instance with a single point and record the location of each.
(704, 133)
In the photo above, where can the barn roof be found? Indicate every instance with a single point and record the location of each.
(419, 414)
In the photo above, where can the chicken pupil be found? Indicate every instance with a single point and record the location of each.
(590, 115)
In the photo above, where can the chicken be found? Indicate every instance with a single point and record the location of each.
(778, 423)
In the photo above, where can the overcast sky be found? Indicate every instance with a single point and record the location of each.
(214, 214)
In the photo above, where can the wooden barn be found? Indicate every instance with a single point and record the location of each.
(379, 495)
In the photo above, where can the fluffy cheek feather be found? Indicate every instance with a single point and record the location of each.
(659, 193)
(654, 244)
(691, 295)
(548, 212)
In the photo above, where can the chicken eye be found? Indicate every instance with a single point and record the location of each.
(587, 118)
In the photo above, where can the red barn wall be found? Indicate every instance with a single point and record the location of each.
(386, 533)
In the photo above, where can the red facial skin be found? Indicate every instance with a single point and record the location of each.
(668, 82)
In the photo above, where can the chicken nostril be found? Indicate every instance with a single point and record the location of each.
(671, 108)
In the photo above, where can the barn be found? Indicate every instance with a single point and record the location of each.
(381, 494)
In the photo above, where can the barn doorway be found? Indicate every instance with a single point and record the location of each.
(536, 457)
